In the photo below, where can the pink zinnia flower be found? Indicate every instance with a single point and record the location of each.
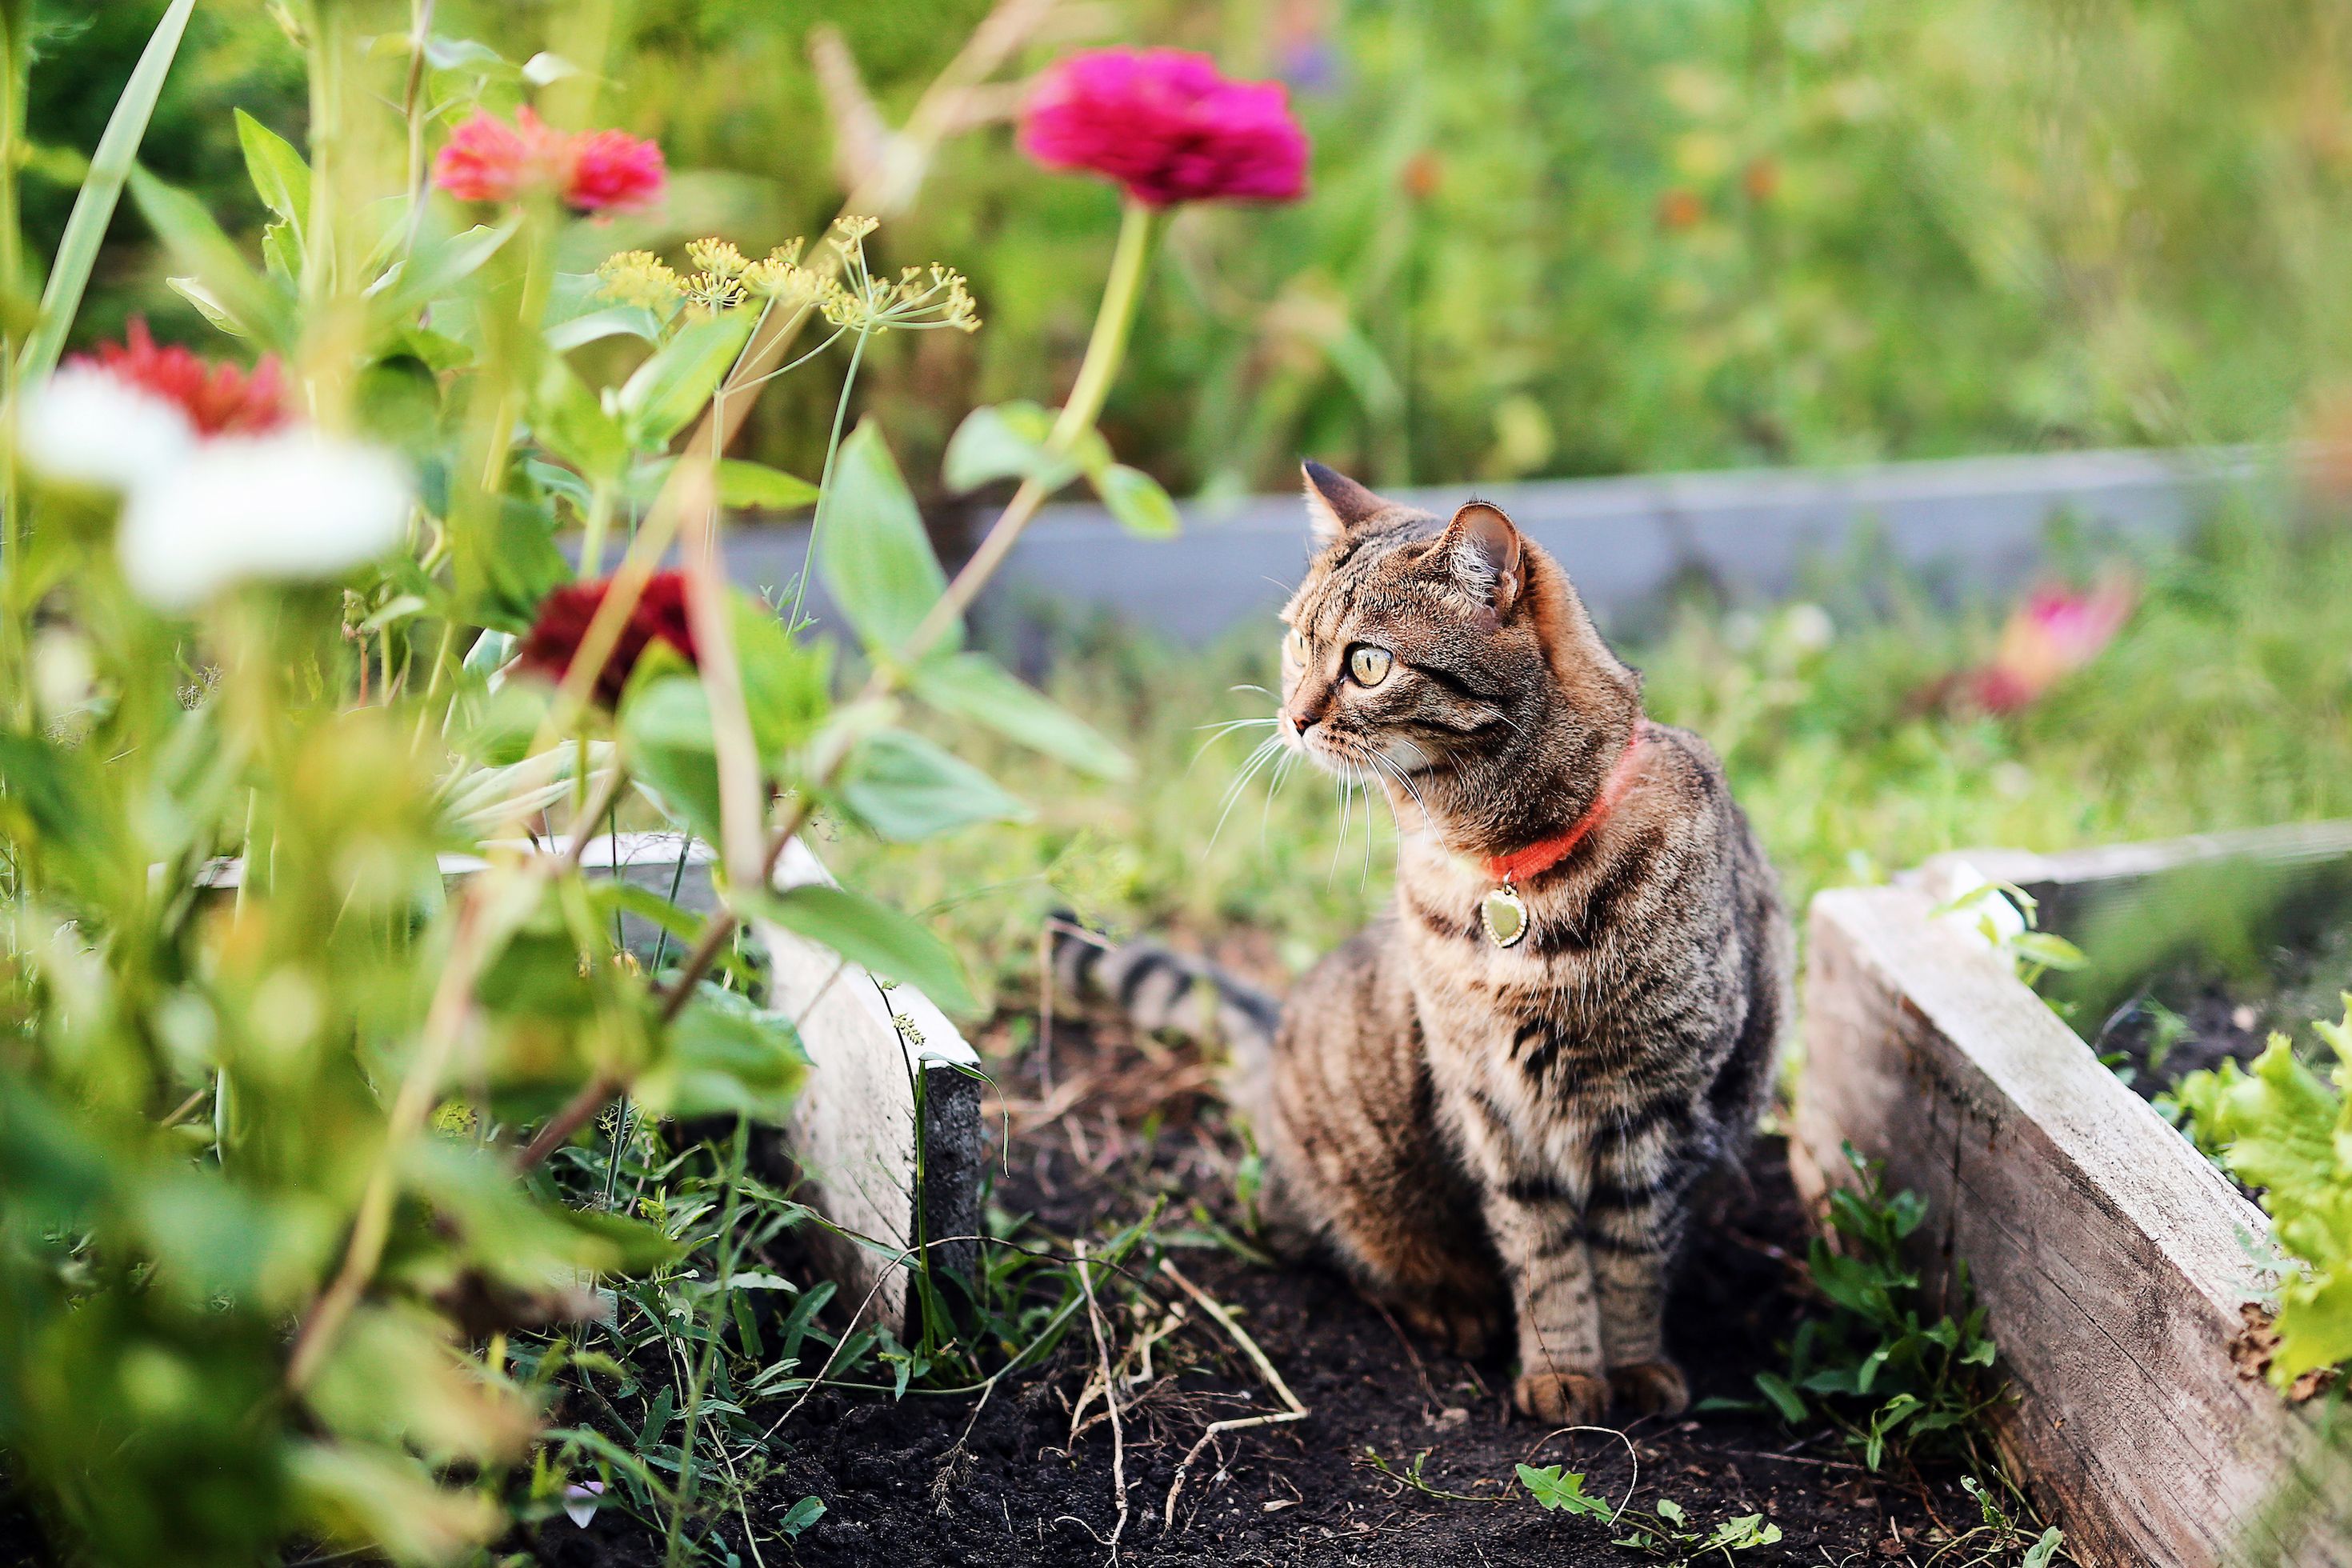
(219, 399)
(488, 159)
(612, 171)
(2055, 633)
(1164, 124)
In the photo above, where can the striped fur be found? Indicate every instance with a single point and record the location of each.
(1483, 1135)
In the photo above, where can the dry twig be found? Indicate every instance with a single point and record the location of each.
(1110, 1397)
(1293, 1411)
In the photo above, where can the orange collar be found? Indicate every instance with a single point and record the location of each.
(1545, 853)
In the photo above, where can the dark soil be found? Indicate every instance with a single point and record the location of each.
(2196, 1015)
(937, 1480)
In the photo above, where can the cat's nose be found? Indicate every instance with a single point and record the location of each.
(1302, 720)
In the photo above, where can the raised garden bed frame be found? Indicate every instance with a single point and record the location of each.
(2114, 1259)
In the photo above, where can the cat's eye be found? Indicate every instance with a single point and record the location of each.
(1294, 645)
(1368, 665)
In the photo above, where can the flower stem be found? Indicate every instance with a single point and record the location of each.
(1104, 351)
(600, 523)
(824, 481)
(1108, 347)
(14, 56)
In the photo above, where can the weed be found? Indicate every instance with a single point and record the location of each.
(1877, 1366)
(1663, 1531)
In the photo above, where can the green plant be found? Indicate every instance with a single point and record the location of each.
(323, 1157)
(1877, 1366)
(1662, 1531)
(2282, 1129)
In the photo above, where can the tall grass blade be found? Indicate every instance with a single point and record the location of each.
(93, 209)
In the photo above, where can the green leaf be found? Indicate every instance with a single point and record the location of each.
(1004, 442)
(906, 789)
(1787, 1400)
(674, 385)
(280, 178)
(876, 559)
(1557, 1490)
(666, 736)
(223, 285)
(756, 485)
(1136, 499)
(571, 424)
(517, 1238)
(101, 192)
(594, 326)
(809, 1510)
(2039, 1554)
(973, 686)
(386, 1501)
(787, 683)
(723, 1057)
(433, 270)
(505, 568)
(875, 936)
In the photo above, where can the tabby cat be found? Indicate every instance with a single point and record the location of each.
(1502, 1093)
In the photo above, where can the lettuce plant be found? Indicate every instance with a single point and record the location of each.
(2284, 1131)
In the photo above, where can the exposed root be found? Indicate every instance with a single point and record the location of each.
(1292, 1410)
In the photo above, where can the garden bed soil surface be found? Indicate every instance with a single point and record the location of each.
(934, 1480)
(2203, 1015)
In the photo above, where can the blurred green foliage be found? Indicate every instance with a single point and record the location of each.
(1553, 238)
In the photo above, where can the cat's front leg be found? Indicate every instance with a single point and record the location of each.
(1538, 1236)
(1632, 1223)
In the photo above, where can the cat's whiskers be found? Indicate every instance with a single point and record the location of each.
(1222, 731)
(1264, 752)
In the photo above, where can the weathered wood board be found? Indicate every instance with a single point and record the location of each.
(886, 1134)
(2113, 1258)
(883, 1063)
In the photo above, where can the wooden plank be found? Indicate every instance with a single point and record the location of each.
(2112, 865)
(2112, 1258)
(875, 1055)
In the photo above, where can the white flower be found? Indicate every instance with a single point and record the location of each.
(295, 504)
(86, 425)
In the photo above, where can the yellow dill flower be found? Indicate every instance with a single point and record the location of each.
(640, 278)
(718, 258)
(709, 294)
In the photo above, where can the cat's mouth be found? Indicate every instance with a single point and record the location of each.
(1348, 756)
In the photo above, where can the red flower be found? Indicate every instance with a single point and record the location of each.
(2055, 633)
(659, 615)
(612, 171)
(1167, 127)
(218, 399)
(488, 160)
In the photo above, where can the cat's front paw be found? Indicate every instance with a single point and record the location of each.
(1465, 1331)
(1649, 1388)
(1562, 1398)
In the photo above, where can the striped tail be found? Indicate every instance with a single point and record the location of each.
(1157, 988)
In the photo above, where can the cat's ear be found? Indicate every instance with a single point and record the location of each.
(1483, 548)
(1336, 503)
